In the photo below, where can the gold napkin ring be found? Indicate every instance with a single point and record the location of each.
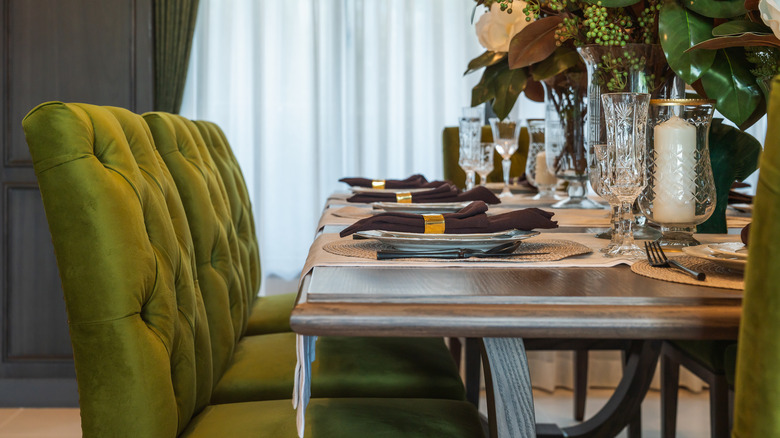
(434, 223)
(378, 184)
(403, 197)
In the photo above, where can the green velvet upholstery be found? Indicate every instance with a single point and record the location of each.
(757, 388)
(240, 205)
(137, 324)
(453, 172)
(341, 418)
(345, 367)
(254, 374)
(271, 314)
(708, 353)
(267, 314)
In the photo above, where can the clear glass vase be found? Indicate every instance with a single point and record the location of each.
(636, 68)
(564, 137)
(680, 192)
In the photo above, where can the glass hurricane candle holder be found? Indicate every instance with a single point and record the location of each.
(536, 171)
(680, 191)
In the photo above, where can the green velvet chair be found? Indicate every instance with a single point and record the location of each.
(453, 172)
(269, 314)
(345, 367)
(708, 361)
(138, 321)
(757, 384)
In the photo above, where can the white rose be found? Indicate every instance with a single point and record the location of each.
(495, 28)
(770, 14)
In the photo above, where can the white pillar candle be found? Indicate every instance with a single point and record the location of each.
(675, 172)
(543, 174)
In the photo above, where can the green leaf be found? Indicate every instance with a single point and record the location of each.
(561, 60)
(486, 88)
(730, 82)
(613, 3)
(484, 60)
(742, 40)
(736, 27)
(734, 156)
(679, 30)
(509, 85)
(717, 8)
(534, 43)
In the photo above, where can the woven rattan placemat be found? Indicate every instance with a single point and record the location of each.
(717, 275)
(555, 249)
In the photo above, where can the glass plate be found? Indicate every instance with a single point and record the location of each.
(704, 252)
(372, 190)
(421, 207)
(427, 242)
(735, 250)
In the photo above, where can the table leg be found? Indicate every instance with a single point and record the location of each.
(512, 415)
(304, 350)
(472, 370)
(626, 401)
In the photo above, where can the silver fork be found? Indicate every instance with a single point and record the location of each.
(657, 259)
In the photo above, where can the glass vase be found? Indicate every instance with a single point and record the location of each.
(564, 136)
(680, 193)
(636, 68)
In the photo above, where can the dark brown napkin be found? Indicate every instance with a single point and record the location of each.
(443, 193)
(526, 219)
(470, 217)
(739, 198)
(744, 234)
(413, 182)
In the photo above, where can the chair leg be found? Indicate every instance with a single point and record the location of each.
(670, 383)
(635, 425)
(580, 383)
(473, 362)
(719, 408)
(455, 351)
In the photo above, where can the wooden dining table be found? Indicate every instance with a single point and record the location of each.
(502, 304)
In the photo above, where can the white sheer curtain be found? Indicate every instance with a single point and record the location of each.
(313, 90)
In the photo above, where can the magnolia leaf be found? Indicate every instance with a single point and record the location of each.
(509, 84)
(744, 40)
(534, 91)
(484, 60)
(486, 88)
(731, 84)
(736, 27)
(679, 29)
(534, 43)
(717, 8)
(561, 60)
(751, 5)
(734, 156)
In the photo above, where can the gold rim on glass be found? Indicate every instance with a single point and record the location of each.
(675, 102)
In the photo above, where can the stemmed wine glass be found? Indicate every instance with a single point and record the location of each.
(484, 161)
(505, 134)
(624, 171)
(470, 130)
(595, 172)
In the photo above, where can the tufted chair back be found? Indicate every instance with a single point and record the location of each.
(217, 253)
(125, 257)
(240, 205)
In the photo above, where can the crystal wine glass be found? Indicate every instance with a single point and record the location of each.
(470, 131)
(484, 161)
(624, 166)
(505, 134)
(595, 172)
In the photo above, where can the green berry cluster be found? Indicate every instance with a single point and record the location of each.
(648, 21)
(569, 29)
(532, 10)
(606, 26)
(615, 70)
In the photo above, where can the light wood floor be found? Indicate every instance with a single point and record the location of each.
(550, 408)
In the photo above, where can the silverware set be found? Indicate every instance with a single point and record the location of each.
(501, 251)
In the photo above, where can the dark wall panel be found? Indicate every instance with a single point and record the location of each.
(36, 324)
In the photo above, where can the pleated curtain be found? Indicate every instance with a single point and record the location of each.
(174, 25)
